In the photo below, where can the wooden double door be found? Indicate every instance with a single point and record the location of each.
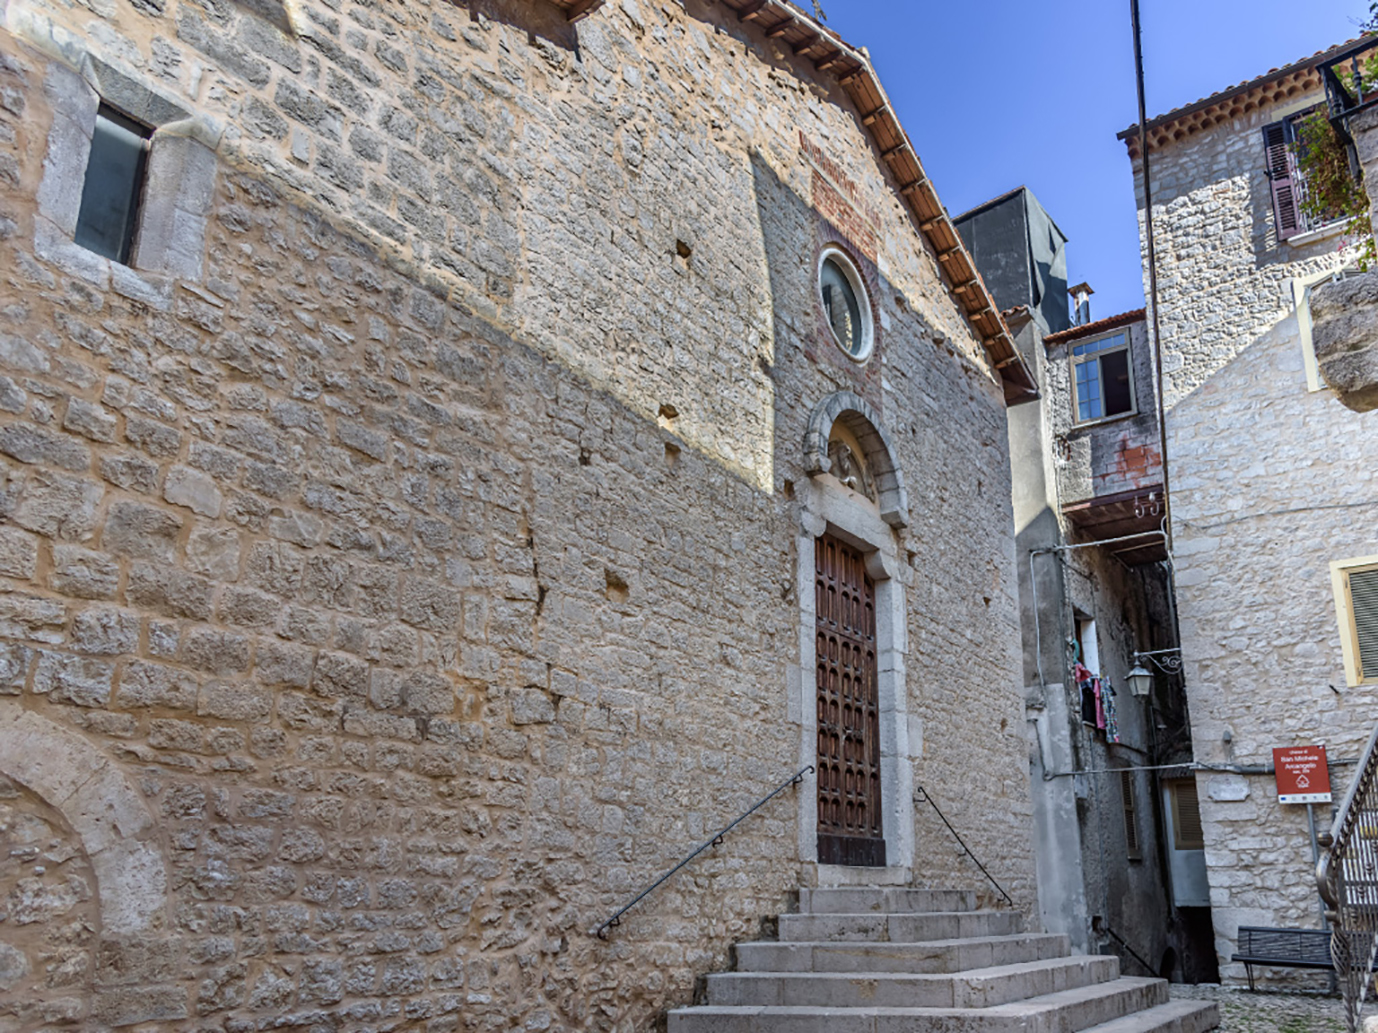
(848, 764)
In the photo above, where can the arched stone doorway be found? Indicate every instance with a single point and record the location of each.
(851, 695)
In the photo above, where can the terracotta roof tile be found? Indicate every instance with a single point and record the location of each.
(1273, 73)
(1099, 326)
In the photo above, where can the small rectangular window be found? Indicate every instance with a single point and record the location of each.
(114, 185)
(1133, 848)
(1187, 833)
(1356, 604)
(1101, 374)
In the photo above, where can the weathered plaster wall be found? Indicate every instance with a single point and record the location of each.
(427, 566)
(1113, 456)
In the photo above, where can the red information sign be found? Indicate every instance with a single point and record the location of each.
(1302, 774)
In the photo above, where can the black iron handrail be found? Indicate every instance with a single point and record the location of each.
(1347, 875)
(616, 920)
(925, 795)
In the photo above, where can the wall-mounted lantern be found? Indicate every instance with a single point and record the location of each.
(1140, 676)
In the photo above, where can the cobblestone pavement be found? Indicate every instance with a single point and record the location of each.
(1268, 1011)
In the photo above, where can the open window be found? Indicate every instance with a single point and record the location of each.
(1102, 378)
(114, 185)
(128, 182)
(1287, 184)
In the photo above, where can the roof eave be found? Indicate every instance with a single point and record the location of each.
(853, 71)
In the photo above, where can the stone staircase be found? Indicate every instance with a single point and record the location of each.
(898, 960)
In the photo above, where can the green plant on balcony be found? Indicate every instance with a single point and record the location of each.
(1332, 193)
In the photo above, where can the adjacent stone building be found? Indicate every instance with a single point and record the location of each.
(1095, 602)
(434, 439)
(1270, 475)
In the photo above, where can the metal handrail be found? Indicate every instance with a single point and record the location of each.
(616, 920)
(1347, 876)
(925, 795)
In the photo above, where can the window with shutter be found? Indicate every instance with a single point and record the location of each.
(1355, 583)
(1356, 604)
(1363, 601)
(1187, 833)
(1281, 166)
(1133, 849)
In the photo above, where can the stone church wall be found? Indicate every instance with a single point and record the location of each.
(399, 587)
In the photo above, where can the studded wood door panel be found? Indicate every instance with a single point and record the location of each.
(849, 827)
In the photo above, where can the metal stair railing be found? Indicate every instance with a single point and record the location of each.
(1347, 874)
(602, 930)
(922, 795)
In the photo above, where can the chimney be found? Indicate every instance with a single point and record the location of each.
(1081, 303)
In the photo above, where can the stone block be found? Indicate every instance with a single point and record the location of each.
(100, 632)
(65, 678)
(169, 591)
(531, 706)
(19, 354)
(136, 529)
(145, 684)
(30, 444)
(234, 701)
(18, 553)
(194, 490)
(130, 1005)
(82, 573)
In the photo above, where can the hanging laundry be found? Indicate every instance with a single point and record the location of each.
(1112, 725)
(1085, 682)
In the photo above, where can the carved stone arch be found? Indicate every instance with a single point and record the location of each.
(864, 423)
(108, 814)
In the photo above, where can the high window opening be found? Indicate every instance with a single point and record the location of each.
(846, 304)
(1103, 381)
(1287, 184)
(114, 185)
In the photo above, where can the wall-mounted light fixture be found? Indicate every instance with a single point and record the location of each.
(1140, 677)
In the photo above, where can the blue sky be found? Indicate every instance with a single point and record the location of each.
(996, 93)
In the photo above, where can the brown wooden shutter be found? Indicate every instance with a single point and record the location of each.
(1281, 181)
(1133, 850)
(1363, 610)
(1187, 833)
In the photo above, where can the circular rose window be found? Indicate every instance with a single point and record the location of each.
(846, 304)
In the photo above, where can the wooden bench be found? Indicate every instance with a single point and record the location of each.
(1282, 948)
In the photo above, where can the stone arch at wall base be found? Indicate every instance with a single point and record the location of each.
(103, 808)
(864, 422)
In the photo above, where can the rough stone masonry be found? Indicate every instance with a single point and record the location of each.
(401, 558)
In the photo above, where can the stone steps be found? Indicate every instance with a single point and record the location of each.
(1173, 1017)
(1067, 1011)
(975, 988)
(934, 956)
(907, 927)
(852, 900)
(891, 959)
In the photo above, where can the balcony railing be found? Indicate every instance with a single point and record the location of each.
(1348, 90)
